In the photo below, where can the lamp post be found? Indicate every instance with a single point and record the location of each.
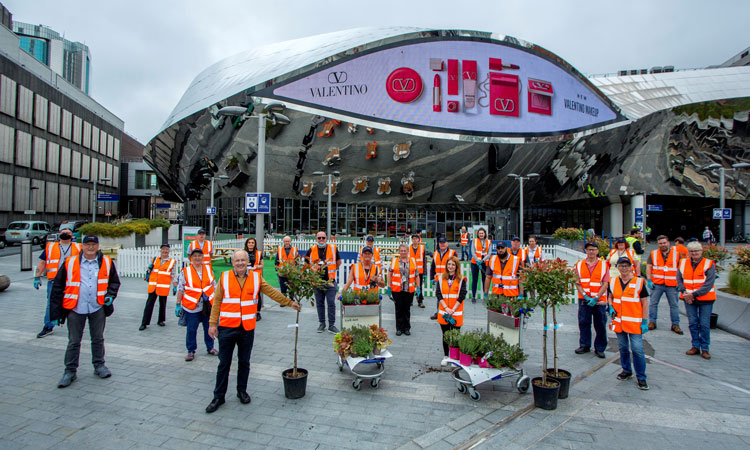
(211, 218)
(722, 236)
(101, 180)
(520, 179)
(645, 211)
(272, 113)
(330, 185)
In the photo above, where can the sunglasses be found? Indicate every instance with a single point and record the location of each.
(321, 238)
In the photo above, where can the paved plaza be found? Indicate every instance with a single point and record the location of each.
(156, 400)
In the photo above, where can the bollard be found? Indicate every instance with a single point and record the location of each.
(25, 255)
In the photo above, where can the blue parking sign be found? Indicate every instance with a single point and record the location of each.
(257, 203)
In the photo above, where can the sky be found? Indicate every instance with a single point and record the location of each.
(145, 54)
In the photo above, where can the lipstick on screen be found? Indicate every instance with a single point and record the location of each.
(436, 100)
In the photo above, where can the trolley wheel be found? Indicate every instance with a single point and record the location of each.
(340, 364)
(461, 387)
(379, 365)
(523, 384)
(475, 395)
(374, 382)
(357, 384)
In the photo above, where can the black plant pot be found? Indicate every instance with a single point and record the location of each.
(294, 387)
(564, 381)
(545, 397)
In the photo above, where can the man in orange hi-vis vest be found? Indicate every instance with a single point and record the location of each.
(233, 322)
(628, 306)
(695, 281)
(195, 297)
(463, 243)
(207, 247)
(51, 259)
(416, 251)
(326, 259)
(591, 284)
(287, 253)
(84, 289)
(661, 270)
(160, 279)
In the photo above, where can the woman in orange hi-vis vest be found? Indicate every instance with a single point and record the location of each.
(450, 292)
(628, 305)
(159, 281)
(480, 255)
(255, 263)
(403, 282)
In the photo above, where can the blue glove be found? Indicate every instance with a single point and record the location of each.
(650, 284)
(177, 310)
(612, 311)
(108, 301)
(591, 300)
(448, 318)
(418, 291)
(37, 282)
(390, 293)
(57, 322)
(644, 326)
(521, 296)
(174, 290)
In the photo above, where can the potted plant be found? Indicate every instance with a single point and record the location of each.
(451, 338)
(555, 302)
(467, 345)
(379, 338)
(302, 281)
(342, 344)
(548, 283)
(360, 306)
(361, 346)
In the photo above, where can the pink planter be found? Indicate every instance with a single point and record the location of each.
(483, 364)
(464, 360)
(477, 359)
(453, 352)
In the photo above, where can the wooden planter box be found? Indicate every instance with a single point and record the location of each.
(506, 326)
(352, 315)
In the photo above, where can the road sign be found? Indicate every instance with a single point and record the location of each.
(163, 205)
(257, 203)
(105, 197)
(639, 214)
(30, 212)
(655, 208)
(722, 214)
(108, 213)
(211, 210)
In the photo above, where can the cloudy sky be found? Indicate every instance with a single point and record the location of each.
(146, 53)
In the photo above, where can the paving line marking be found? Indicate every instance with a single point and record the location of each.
(692, 372)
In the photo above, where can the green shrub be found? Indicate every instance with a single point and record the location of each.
(140, 227)
(362, 346)
(743, 256)
(716, 253)
(739, 281)
(451, 337)
(568, 234)
(468, 344)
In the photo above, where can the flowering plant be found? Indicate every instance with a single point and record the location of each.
(379, 337)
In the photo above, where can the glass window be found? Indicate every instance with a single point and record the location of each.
(145, 180)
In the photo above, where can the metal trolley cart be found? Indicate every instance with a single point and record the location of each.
(467, 378)
(362, 368)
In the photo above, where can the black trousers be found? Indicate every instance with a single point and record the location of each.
(76, 324)
(149, 309)
(228, 338)
(403, 302)
(445, 328)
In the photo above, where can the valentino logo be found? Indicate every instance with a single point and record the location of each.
(540, 85)
(404, 85)
(505, 105)
(337, 77)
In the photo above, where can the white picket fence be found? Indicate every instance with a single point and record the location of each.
(133, 262)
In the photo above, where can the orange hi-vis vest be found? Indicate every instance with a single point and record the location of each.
(536, 257)
(258, 260)
(464, 239)
(629, 253)
(505, 281)
(240, 304)
(283, 258)
(418, 256)
(480, 251)
(450, 293)
(375, 257)
(693, 279)
(682, 251)
(396, 275)
(440, 262)
(362, 277)
(664, 272)
(55, 259)
(330, 259)
(207, 247)
(161, 276)
(195, 286)
(73, 281)
(627, 305)
(591, 283)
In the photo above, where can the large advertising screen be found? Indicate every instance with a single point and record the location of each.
(455, 86)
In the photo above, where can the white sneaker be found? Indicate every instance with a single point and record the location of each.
(444, 362)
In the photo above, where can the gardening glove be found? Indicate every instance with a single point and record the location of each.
(612, 311)
(644, 326)
(108, 301)
(177, 310)
(650, 284)
(448, 318)
(591, 300)
(417, 291)
(174, 290)
(521, 296)
(37, 282)
(390, 293)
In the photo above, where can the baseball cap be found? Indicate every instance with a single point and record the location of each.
(366, 249)
(515, 238)
(91, 238)
(164, 245)
(201, 231)
(501, 244)
(416, 235)
(442, 239)
(624, 260)
(621, 240)
(369, 238)
(196, 250)
(590, 244)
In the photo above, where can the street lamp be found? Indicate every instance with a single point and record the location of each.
(211, 217)
(272, 113)
(330, 185)
(101, 180)
(722, 236)
(520, 179)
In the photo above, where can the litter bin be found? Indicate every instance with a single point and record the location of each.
(25, 255)
(714, 321)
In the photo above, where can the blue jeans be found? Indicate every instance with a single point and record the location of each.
(599, 315)
(636, 346)
(323, 296)
(653, 305)
(47, 323)
(699, 318)
(465, 252)
(193, 320)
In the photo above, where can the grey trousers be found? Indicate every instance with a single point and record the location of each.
(76, 323)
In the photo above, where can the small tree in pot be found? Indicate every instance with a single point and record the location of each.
(549, 283)
(302, 281)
